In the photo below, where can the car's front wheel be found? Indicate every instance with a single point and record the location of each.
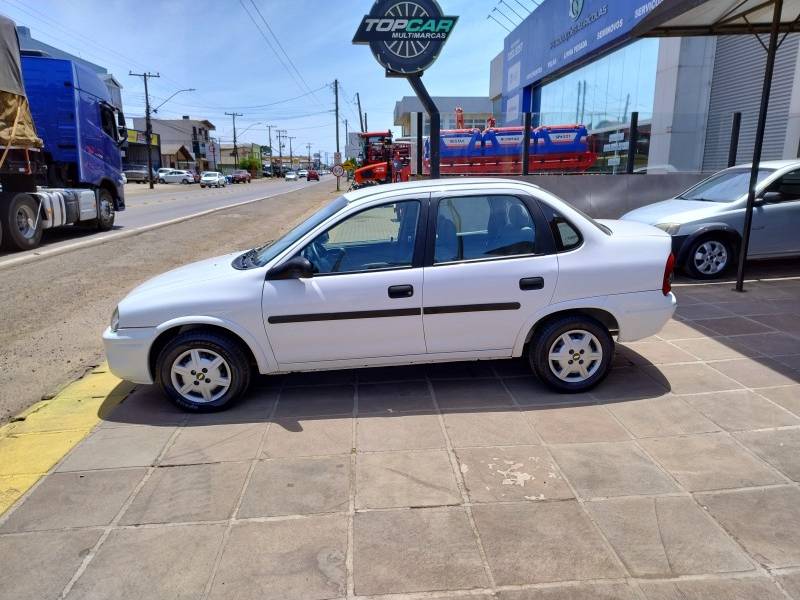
(203, 371)
(709, 257)
(571, 354)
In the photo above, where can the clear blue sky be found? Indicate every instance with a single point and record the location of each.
(214, 46)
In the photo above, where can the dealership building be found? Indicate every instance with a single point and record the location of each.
(583, 62)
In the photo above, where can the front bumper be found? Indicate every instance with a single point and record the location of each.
(641, 314)
(128, 352)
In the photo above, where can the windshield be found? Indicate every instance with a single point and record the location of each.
(267, 253)
(725, 186)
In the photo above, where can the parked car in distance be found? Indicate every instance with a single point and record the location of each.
(240, 176)
(177, 176)
(213, 179)
(302, 173)
(163, 171)
(137, 173)
(312, 175)
(706, 221)
(463, 269)
(291, 176)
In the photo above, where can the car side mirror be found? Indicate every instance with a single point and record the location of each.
(297, 267)
(771, 197)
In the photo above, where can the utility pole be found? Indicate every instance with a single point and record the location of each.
(308, 145)
(360, 117)
(291, 158)
(269, 132)
(366, 126)
(281, 133)
(336, 103)
(148, 126)
(235, 147)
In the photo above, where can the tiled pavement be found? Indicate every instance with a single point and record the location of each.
(675, 479)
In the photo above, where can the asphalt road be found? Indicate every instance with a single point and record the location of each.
(167, 202)
(55, 308)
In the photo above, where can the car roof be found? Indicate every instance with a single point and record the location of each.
(772, 164)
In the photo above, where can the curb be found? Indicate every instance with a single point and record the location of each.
(39, 437)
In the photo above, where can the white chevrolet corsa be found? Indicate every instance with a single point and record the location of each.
(430, 271)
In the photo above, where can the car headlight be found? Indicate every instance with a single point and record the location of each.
(670, 228)
(115, 319)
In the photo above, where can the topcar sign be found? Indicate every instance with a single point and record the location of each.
(405, 36)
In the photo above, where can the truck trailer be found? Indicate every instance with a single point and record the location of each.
(61, 143)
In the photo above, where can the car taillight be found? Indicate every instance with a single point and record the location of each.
(669, 269)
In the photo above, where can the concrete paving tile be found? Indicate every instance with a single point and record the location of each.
(654, 351)
(399, 551)
(399, 432)
(513, 367)
(710, 461)
(758, 373)
(733, 325)
(298, 559)
(529, 391)
(667, 415)
(770, 344)
(188, 493)
(132, 446)
(401, 373)
(715, 348)
(694, 378)
(666, 537)
(489, 428)
(312, 378)
(146, 405)
(395, 479)
(631, 383)
(38, 565)
(792, 361)
(683, 330)
(542, 542)
(791, 583)
(515, 473)
(215, 443)
(789, 322)
(581, 591)
(577, 424)
(156, 562)
(297, 486)
(741, 410)
(470, 393)
(74, 500)
(475, 369)
(308, 437)
(788, 397)
(780, 448)
(399, 396)
(745, 588)
(706, 310)
(256, 407)
(605, 470)
(316, 401)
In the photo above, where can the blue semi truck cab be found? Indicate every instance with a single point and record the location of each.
(76, 177)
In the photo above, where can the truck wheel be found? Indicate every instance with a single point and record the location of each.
(571, 354)
(203, 371)
(22, 225)
(105, 220)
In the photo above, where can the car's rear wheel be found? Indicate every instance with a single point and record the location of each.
(203, 371)
(571, 354)
(709, 257)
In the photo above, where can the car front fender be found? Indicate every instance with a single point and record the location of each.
(701, 230)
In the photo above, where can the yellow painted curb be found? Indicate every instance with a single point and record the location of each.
(35, 440)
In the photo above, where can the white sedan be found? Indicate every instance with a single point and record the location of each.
(177, 176)
(213, 179)
(429, 271)
(291, 176)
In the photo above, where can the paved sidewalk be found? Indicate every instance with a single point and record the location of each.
(677, 478)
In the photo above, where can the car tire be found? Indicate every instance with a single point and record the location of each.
(202, 186)
(17, 212)
(179, 374)
(709, 257)
(105, 211)
(161, 181)
(571, 337)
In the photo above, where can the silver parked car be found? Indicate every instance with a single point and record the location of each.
(707, 220)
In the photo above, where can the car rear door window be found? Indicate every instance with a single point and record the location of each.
(483, 227)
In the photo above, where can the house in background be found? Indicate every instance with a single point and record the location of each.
(185, 142)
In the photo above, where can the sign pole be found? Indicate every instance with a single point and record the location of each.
(435, 117)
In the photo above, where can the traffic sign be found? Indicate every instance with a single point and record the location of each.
(338, 170)
(337, 158)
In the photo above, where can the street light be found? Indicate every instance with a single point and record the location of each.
(155, 110)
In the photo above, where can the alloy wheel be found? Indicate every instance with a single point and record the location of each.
(711, 257)
(200, 375)
(26, 221)
(575, 356)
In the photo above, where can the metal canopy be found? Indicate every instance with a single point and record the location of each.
(718, 17)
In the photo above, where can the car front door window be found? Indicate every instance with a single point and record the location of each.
(382, 237)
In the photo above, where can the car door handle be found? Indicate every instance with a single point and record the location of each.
(401, 291)
(531, 283)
